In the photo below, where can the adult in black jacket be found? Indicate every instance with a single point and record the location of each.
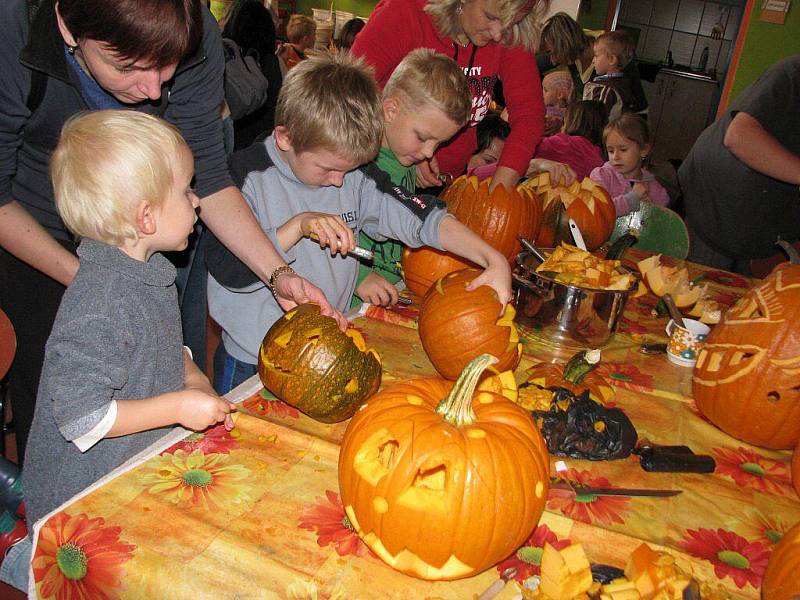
(250, 25)
(157, 56)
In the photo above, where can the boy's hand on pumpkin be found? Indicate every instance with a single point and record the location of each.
(428, 173)
(291, 290)
(497, 275)
(199, 410)
(329, 230)
(377, 291)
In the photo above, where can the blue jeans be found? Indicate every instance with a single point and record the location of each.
(14, 570)
(230, 372)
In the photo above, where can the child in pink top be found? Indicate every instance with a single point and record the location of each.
(628, 183)
(579, 143)
(557, 92)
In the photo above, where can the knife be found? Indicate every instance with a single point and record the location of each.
(563, 489)
(576, 234)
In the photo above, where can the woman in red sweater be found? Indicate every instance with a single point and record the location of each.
(490, 40)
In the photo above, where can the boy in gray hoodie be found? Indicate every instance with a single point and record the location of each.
(308, 189)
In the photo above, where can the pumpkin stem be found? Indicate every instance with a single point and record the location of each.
(456, 409)
(790, 251)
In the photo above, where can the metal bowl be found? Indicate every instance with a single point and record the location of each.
(566, 316)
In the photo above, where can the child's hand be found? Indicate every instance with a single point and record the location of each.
(428, 173)
(643, 190)
(497, 275)
(330, 230)
(199, 410)
(558, 171)
(377, 291)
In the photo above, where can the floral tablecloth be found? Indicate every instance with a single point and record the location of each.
(255, 512)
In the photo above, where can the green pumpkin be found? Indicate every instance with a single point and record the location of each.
(306, 361)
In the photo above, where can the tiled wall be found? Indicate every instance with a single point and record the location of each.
(684, 27)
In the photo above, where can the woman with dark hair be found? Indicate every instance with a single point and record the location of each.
(489, 40)
(250, 25)
(347, 36)
(162, 57)
(565, 43)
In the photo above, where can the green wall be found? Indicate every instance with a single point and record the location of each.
(596, 17)
(765, 44)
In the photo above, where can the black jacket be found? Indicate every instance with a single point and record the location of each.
(191, 101)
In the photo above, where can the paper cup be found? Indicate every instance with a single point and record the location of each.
(685, 342)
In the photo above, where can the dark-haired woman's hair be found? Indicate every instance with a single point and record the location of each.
(586, 118)
(349, 32)
(565, 38)
(250, 25)
(491, 127)
(156, 32)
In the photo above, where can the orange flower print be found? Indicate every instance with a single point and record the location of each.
(264, 403)
(731, 554)
(626, 376)
(749, 469)
(216, 439)
(765, 529)
(527, 560)
(80, 558)
(587, 507)
(328, 520)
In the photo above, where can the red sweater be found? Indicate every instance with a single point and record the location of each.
(398, 26)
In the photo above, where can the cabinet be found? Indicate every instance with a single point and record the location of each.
(680, 108)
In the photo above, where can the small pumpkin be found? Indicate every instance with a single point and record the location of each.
(577, 375)
(422, 267)
(455, 325)
(586, 202)
(746, 377)
(306, 361)
(499, 217)
(780, 579)
(441, 481)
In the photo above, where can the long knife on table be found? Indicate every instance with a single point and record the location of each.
(562, 489)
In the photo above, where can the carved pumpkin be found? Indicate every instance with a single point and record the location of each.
(306, 361)
(455, 325)
(796, 469)
(780, 580)
(586, 202)
(747, 376)
(575, 376)
(499, 217)
(441, 481)
(422, 267)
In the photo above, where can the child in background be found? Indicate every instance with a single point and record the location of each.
(613, 52)
(491, 133)
(116, 374)
(579, 145)
(301, 31)
(425, 101)
(306, 179)
(558, 90)
(627, 141)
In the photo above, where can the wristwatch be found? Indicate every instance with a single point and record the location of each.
(273, 278)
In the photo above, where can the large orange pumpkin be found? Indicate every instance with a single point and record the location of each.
(499, 217)
(441, 481)
(780, 580)
(586, 202)
(306, 361)
(455, 325)
(746, 377)
(422, 267)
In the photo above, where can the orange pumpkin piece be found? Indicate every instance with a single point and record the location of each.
(747, 374)
(780, 580)
(455, 325)
(499, 217)
(796, 469)
(422, 267)
(442, 481)
(586, 202)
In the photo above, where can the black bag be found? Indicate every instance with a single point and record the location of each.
(246, 87)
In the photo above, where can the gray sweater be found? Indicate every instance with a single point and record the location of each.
(117, 336)
(367, 201)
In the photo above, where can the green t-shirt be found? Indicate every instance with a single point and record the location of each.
(387, 254)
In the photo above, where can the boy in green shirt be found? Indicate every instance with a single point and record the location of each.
(425, 102)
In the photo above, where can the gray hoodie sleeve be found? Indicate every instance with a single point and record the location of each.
(389, 211)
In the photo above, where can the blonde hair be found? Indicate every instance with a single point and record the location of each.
(332, 103)
(525, 33)
(425, 78)
(299, 26)
(105, 164)
(631, 126)
(620, 44)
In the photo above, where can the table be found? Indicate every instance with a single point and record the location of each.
(255, 513)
